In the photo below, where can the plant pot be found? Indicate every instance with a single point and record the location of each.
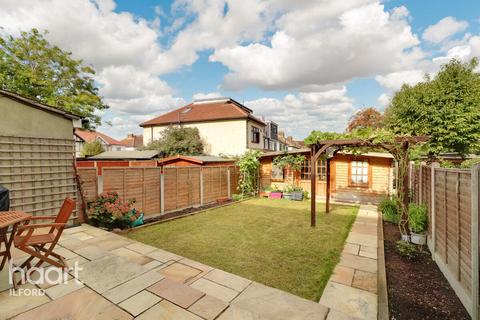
(418, 238)
(264, 194)
(297, 195)
(287, 196)
(405, 237)
(275, 195)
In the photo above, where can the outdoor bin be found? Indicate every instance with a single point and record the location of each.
(4, 199)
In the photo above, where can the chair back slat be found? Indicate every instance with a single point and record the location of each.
(65, 211)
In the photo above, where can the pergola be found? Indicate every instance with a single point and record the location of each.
(399, 150)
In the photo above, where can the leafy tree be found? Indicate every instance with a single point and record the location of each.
(178, 140)
(446, 108)
(92, 148)
(366, 118)
(32, 67)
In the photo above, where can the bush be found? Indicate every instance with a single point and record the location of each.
(407, 250)
(417, 218)
(108, 211)
(388, 207)
(468, 164)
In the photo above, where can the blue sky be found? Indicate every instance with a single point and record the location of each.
(304, 64)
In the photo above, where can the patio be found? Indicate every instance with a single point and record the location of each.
(123, 279)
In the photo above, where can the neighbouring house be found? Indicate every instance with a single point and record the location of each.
(289, 143)
(226, 126)
(37, 147)
(272, 140)
(132, 142)
(83, 136)
(195, 161)
(354, 178)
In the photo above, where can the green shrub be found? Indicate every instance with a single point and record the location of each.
(237, 197)
(407, 250)
(417, 217)
(109, 211)
(468, 164)
(388, 207)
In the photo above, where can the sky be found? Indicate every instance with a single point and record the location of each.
(305, 64)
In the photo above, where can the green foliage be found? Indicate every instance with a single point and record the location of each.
(468, 164)
(417, 218)
(447, 164)
(32, 67)
(248, 165)
(290, 161)
(388, 207)
(108, 211)
(178, 140)
(407, 250)
(365, 118)
(92, 148)
(237, 197)
(446, 108)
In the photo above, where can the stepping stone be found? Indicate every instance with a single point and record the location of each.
(208, 307)
(358, 263)
(215, 290)
(165, 310)
(140, 248)
(179, 272)
(365, 281)
(92, 252)
(81, 304)
(180, 294)
(133, 286)
(272, 303)
(351, 301)
(108, 272)
(343, 275)
(140, 302)
(13, 305)
(132, 256)
(227, 279)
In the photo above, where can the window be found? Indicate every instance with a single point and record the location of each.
(265, 143)
(255, 135)
(321, 170)
(277, 173)
(359, 172)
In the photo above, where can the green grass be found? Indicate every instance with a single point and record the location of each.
(269, 241)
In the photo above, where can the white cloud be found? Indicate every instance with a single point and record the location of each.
(210, 95)
(395, 80)
(444, 29)
(384, 100)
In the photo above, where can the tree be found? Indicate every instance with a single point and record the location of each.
(92, 148)
(446, 108)
(178, 140)
(32, 67)
(365, 118)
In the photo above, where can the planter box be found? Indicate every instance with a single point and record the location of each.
(297, 195)
(287, 196)
(275, 195)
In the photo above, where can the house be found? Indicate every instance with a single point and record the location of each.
(132, 142)
(226, 126)
(289, 143)
(37, 154)
(195, 161)
(86, 136)
(354, 178)
(271, 140)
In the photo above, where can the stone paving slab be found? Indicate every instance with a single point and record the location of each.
(140, 302)
(208, 307)
(167, 311)
(180, 294)
(214, 289)
(179, 272)
(228, 279)
(12, 305)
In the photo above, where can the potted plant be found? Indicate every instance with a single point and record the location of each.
(297, 193)
(275, 193)
(266, 192)
(287, 193)
(417, 221)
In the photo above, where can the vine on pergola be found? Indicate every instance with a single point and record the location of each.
(398, 146)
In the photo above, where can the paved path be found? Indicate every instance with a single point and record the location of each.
(124, 279)
(351, 292)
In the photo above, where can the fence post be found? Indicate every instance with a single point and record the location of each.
(420, 181)
(162, 192)
(99, 180)
(228, 183)
(432, 199)
(475, 208)
(201, 186)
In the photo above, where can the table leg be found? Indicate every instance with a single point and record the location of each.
(5, 254)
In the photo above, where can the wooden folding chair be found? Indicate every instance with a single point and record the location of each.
(41, 245)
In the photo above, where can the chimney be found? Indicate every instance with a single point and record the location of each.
(131, 135)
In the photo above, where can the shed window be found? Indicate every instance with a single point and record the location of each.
(359, 172)
(306, 170)
(277, 173)
(255, 135)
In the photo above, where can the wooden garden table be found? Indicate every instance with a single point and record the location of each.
(7, 219)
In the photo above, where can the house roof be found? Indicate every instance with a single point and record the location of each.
(205, 110)
(132, 141)
(90, 136)
(39, 105)
(196, 159)
(126, 155)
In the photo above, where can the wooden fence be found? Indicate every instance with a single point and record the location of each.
(38, 172)
(160, 190)
(451, 196)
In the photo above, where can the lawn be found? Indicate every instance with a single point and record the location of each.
(269, 241)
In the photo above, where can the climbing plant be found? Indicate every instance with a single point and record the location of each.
(290, 161)
(248, 165)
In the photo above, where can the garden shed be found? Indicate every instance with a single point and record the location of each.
(37, 154)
